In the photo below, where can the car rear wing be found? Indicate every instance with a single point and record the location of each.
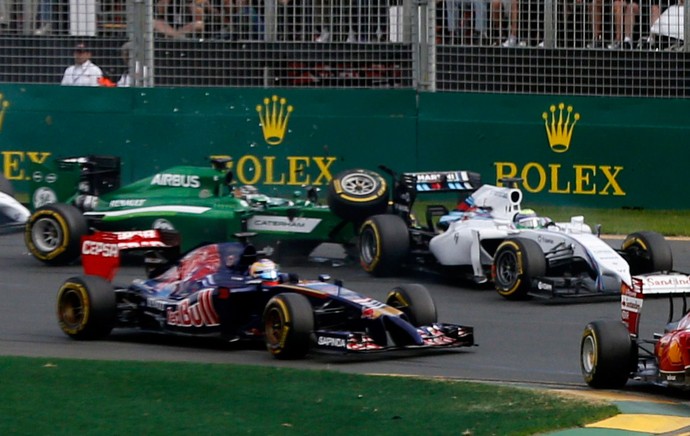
(59, 180)
(442, 181)
(101, 251)
(672, 284)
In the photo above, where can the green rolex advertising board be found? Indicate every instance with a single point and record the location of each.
(569, 150)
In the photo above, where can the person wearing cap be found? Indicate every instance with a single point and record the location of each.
(83, 72)
(125, 79)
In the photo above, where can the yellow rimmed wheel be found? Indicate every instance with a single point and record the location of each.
(86, 307)
(288, 325)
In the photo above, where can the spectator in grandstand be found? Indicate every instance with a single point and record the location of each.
(18, 15)
(370, 20)
(5, 14)
(510, 10)
(323, 12)
(456, 20)
(249, 24)
(597, 13)
(171, 19)
(624, 14)
(125, 79)
(83, 72)
(290, 17)
(45, 17)
(572, 30)
(569, 19)
(653, 11)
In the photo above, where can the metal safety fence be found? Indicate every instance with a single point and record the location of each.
(575, 47)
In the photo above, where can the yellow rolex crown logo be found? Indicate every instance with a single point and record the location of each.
(274, 115)
(559, 127)
(4, 104)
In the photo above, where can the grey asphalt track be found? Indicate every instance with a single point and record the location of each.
(524, 341)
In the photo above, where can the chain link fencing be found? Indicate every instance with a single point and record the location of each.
(572, 47)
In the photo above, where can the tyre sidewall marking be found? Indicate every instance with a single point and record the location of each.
(65, 232)
(377, 257)
(519, 269)
(279, 347)
(338, 188)
(81, 289)
(377, 194)
(589, 333)
(399, 297)
(635, 241)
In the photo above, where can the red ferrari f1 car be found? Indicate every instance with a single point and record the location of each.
(228, 291)
(612, 352)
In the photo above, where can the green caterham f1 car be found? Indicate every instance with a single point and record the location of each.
(72, 197)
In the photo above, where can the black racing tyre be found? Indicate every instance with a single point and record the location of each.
(354, 195)
(415, 302)
(647, 252)
(288, 325)
(6, 186)
(607, 354)
(383, 244)
(86, 307)
(53, 233)
(517, 261)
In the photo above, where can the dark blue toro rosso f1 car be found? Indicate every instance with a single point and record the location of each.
(228, 291)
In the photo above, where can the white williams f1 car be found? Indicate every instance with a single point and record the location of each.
(489, 237)
(13, 215)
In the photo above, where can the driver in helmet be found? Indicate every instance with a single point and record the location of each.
(265, 270)
(251, 195)
(245, 191)
(528, 219)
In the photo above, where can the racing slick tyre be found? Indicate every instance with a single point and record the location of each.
(53, 233)
(647, 252)
(415, 302)
(607, 354)
(517, 261)
(354, 195)
(86, 307)
(384, 242)
(288, 324)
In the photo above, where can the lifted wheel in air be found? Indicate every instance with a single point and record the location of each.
(356, 194)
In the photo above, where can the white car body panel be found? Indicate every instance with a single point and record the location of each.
(12, 212)
(491, 218)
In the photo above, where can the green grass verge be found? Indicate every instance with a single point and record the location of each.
(58, 396)
(612, 221)
(625, 221)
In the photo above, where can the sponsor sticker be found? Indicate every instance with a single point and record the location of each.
(331, 342)
(176, 180)
(97, 248)
(282, 224)
(133, 202)
(198, 314)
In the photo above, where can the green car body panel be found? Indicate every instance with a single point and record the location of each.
(201, 204)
